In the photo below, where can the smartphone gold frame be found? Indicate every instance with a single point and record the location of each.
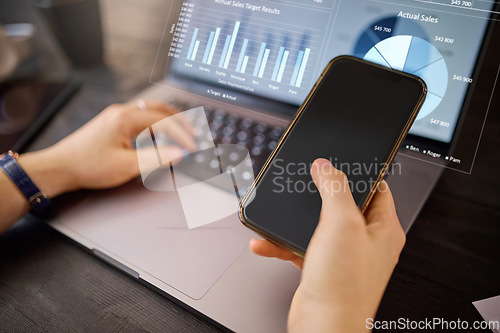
(301, 109)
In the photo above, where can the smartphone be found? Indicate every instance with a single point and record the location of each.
(356, 115)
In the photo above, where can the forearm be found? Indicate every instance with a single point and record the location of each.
(99, 155)
(45, 169)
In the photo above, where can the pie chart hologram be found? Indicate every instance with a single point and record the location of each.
(415, 56)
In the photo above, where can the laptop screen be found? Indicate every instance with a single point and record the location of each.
(276, 49)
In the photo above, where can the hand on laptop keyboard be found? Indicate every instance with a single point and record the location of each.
(98, 155)
(228, 128)
(234, 138)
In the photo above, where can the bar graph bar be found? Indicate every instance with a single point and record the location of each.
(195, 50)
(264, 63)
(231, 44)
(303, 67)
(259, 59)
(282, 66)
(297, 68)
(245, 63)
(242, 55)
(278, 62)
(193, 41)
(209, 45)
(224, 51)
(214, 45)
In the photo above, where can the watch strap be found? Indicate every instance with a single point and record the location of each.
(36, 198)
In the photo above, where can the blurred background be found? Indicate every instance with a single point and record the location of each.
(101, 50)
(125, 24)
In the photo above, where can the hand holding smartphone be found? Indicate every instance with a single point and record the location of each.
(356, 115)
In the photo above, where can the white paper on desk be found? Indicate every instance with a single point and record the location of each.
(490, 311)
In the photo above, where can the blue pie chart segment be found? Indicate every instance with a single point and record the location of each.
(395, 51)
(416, 56)
(374, 56)
(398, 27)
(436, 76)
(421, 54)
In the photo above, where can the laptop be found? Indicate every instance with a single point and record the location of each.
(249, 65)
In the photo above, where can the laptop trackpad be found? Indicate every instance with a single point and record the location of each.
(147, 231)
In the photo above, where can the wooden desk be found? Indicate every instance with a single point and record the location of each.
(47, 283)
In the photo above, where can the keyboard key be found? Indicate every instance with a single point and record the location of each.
(246, 175)
(260, 128)
(218, 114)
(256, 151)
(234, 156)
(242, 136)
(276, 133)
(271, 145)
(199, 158)
(246, 123)
(228, 130)
(219, 151)
(226, 140)
(259, 139)
(229, 168)
(232, 119)
(204, 145)
(214, 164)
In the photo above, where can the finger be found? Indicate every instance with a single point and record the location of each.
(169, 110)
(381, 208)
(146, 105)
(267, 249)
(174, 130)
(333, 187)
(137, 121)
(177, 126)
(145, 160)
(184, 121)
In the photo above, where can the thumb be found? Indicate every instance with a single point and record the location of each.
(333, 187)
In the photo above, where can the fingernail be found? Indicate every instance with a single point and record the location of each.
(322, 163)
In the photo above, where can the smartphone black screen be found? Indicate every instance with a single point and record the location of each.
(355, 117)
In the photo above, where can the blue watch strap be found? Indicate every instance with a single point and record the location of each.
(36, 198)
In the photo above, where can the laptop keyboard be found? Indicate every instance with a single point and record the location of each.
(227, 128)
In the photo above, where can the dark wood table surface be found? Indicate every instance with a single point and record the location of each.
(47, 283)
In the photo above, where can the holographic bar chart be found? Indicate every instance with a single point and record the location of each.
(269, 63)
(259, 48)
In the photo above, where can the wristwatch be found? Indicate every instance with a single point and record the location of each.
(37, 199)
